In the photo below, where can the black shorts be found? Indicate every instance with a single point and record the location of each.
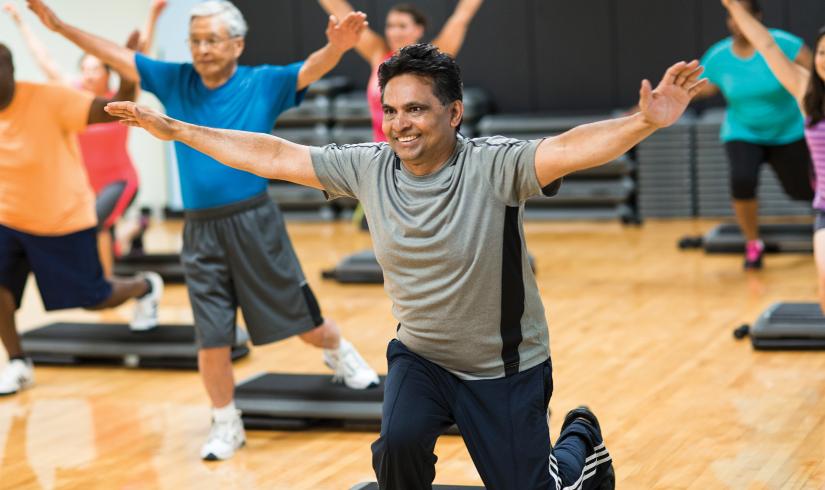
(239, 256)
(67, 267)
(791, 163)
(819, 220)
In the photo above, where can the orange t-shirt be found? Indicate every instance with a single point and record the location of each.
(44, 189)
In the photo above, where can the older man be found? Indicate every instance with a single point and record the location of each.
(445, 216)
(236, 252)
(47, 213)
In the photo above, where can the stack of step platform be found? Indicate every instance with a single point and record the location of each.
(308, 124)
(601, 193)
(665, 175)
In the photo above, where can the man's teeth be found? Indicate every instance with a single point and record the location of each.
(405, 139)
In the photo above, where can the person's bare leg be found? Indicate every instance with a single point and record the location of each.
(819, 256)
(126, 232)
(215, 366)
(747, 216)
(122, 291)
(105, 251)
(326, 336)
(8, 327)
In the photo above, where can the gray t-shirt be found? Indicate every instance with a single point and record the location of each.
(451, 245)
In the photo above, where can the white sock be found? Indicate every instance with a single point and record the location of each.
(335, 352)
(225, 414)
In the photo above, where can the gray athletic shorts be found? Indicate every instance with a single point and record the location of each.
(819, 220)
(239, 255)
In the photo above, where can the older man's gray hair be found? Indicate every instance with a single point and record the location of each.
(224, 10)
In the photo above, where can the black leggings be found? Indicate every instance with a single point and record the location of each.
(791, 163)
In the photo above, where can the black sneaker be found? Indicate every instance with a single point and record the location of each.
(583, 412)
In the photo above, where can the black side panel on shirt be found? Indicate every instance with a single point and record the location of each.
(512, 292)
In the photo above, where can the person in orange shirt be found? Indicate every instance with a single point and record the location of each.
(112, 175)
(47, 213)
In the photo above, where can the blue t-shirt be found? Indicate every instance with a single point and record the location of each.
(250, 101)
(759, 109)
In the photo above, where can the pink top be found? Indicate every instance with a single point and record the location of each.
(374, 101)
(816, 144)
(104, 153)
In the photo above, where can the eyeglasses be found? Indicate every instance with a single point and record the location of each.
(210, 43)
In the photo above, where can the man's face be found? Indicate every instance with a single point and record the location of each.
(214, 53)
(417, 125)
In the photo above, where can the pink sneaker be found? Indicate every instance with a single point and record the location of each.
(754, 250)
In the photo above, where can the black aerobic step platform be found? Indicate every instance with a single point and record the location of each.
(166, 346)
(273, 401)
(778, 238)
(787, 326)
(374, 486)
(277, 401)
(167, 265)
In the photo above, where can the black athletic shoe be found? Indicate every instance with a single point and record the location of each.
(609, 480)
(583, 412)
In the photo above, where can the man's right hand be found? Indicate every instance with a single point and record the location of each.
(45, 14)
(158, 125)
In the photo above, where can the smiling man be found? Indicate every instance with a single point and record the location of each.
(236, 252)
(445, 216)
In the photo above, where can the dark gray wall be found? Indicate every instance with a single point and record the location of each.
(538, 55)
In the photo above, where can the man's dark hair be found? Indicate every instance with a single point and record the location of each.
(413, 11)
(6, 76)
(425, 60)
(6, 57)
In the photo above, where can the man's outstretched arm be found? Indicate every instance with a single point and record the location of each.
(257, 153)
(591, 145)
(118, 57)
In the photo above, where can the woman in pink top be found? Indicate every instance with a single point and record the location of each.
(405, 25)
(104, 146)
(808, 87)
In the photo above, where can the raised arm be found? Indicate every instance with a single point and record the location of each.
(372, 46)
(591, 145)
(126, 91)
(258, 153)
(341, 37)
(39, 52)
(452, 35)
(118, 57)
(147, 35)
(791, 75)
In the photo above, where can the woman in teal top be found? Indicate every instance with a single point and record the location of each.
(762, 123)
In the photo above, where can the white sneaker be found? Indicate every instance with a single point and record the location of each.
(225, 438)
(350, 368)
(146, 309)
(16, 376)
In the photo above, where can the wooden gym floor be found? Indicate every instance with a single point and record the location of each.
(639, 331)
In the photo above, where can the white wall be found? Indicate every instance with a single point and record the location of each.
(112, 19)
